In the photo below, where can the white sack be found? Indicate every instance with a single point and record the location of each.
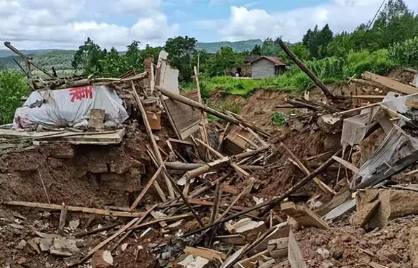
(67, 107)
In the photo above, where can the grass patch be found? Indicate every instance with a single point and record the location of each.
(278, 119)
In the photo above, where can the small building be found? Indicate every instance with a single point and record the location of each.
(266, 66)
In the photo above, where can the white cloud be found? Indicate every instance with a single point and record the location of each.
(66, 24)
(341, 15)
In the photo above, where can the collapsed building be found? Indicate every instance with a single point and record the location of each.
(128, 172)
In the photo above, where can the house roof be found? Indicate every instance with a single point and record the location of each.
(273, 59)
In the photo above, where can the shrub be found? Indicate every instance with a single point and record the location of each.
(405, 53)
(12, 88)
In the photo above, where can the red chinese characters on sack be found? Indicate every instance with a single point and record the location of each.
(79, 93)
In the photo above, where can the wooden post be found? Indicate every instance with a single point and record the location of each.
(305, 69)
(207, 109)
(153, 142)
(203, 130)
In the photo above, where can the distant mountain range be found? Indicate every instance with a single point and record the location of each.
(61, 59)
(237, 46)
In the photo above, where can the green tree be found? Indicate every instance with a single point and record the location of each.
(113, 64)
(88, 57)
(12, 88)
(405, 53)
(270, 48)
(224, 60)
(341, 45)
(256, 50)
(324, 37)
(181, 50)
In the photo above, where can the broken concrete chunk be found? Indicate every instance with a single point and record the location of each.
(74, 224)
(63, 247)
(330, 124)
(107, 257)
(97, 260)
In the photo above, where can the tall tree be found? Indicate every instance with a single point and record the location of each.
(88, 56)
(224, 60)
(256, 50)
(180, 53)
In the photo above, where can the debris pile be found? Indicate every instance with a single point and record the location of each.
(335, 188)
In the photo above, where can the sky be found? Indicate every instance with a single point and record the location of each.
(66, 24)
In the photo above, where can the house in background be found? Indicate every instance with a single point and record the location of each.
(266, 66)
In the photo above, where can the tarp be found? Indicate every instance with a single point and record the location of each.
(68, 107)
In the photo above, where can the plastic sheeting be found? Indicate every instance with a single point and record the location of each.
(68, 107)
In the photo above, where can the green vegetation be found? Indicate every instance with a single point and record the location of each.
(12, 88)
(405, 53)
(278, 119)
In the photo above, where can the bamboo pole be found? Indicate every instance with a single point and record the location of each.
(144, 191)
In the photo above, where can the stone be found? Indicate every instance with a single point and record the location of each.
(63, 247)
(97, 162)
(122, 165)
(107, 257)
(21, 245)
(74, 224)
(323, 252)
(21, 260)
(327, 264)
(330, 124)
(97, 260)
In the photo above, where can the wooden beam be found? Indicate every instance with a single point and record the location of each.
(305, 69)
(295, 256)
(54, 207)
(390, 83)
(152, 139)
(346, 164)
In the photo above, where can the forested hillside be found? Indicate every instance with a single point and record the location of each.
(378, 46)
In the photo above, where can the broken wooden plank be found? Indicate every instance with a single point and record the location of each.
(144, 191)
(305, 170)
(206, 253)
(278, 248)
(116, 234)
(390, 83)
(295, 256)
(303, 216)
(53, 207)
(63, 218)
(346, 164)
(166, 219)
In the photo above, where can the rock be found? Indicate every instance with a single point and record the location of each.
(323, 252)
(74, 224)
(124, 246)
(110, 125)
(63, 247)
(97, 260)
(330, 124)
(107, 257)
(331, 142)
(21, 245)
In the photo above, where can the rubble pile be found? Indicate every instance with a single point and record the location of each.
(335, 187)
